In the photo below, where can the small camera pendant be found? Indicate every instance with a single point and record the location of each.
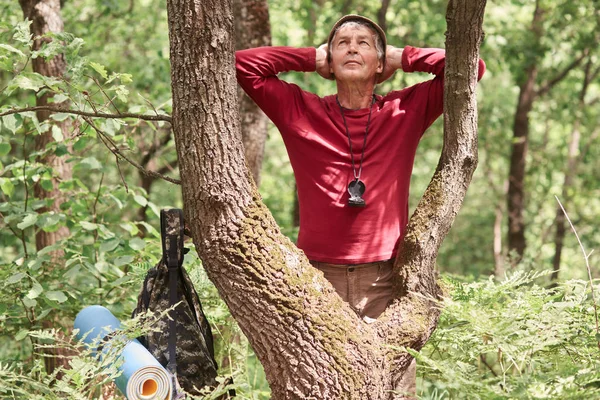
(356, 189)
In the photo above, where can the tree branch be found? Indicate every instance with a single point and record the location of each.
(550, 84)
(114, 149)
(416, 285)
(381, 14)
(58, 109)
(154, 148)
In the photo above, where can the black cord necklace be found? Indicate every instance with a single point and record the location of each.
(356, 188)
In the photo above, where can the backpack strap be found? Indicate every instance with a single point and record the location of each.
(171, 232)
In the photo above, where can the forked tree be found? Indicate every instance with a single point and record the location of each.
(311, 344)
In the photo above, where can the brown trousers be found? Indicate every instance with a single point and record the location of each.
(368, 289)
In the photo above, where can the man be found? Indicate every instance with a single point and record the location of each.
(352, 153)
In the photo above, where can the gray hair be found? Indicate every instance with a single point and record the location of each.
(358, 24)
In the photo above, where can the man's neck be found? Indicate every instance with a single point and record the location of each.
(355, 96)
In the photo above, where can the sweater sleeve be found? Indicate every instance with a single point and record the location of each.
(429, 96)
(257, 69)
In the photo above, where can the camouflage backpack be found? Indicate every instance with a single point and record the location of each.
(184, 344)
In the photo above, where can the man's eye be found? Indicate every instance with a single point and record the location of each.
(364, 43)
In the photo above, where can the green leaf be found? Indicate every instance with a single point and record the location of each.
(16, 278)
(111, 126)
(88, 226)
(90, 163)
(59, 98)
(29, 302)
(110, 245)
(117, 201)
(22, 32)
(27, 81)
(81, 143)
(29, 220)
(47, 184)
(59, 116)
(57, 134)
(137, 244)
(56, 295)
(102, 267)
(44, 313)
(10, 122)
(122, 93)
(4, 149)
(11, 49)
(61, 150)
(99, 69)
(7, 187)
(35, 291)
(141, 200)
(125, 78)
(22, 334)
(130, 227)
(48, 221)
(154, 208)
(123, 260)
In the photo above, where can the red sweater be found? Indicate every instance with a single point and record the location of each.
(315, 137)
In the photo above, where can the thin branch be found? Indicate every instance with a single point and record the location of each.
(20, 237)
(105, 94)
(586, 256)
(484, 361)
(25, 156)
(115, 150)
(550, 84)
(58, 109)
(154, 148)
(121, 174)
(17, 73)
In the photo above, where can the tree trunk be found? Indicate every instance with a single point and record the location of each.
(252, 29)
(516, 178)
(570, 173)
(281, 303)
(381, 20)
(46, 18)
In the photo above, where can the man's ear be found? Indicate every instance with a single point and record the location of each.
(380, 67)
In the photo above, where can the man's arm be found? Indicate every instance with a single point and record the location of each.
(413, 59)
(257, 69)
(427, 97)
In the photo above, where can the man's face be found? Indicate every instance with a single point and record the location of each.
(354, 54)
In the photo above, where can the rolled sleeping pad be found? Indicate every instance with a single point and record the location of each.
(143, 377)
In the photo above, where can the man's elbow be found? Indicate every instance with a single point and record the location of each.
(481, 69)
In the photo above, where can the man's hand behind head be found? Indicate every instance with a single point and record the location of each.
(322, 61)
(393, 61)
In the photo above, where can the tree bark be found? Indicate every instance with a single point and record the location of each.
(281, 303)
(516, 180)
(381, 21)
(252, 29)
(46, 18)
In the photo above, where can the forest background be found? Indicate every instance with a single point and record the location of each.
(519, 318)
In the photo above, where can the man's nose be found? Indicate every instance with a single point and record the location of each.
(352, 47)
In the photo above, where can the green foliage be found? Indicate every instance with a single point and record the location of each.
(513, 339)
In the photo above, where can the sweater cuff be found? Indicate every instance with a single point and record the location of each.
(406, 60)
(309, 55)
